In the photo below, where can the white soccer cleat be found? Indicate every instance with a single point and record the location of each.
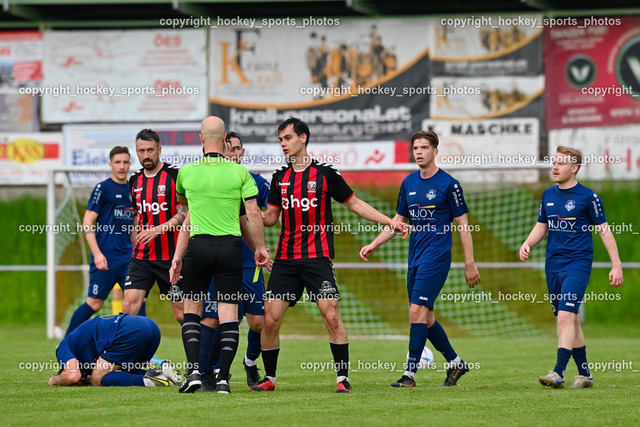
(582, 382)
(173, 375)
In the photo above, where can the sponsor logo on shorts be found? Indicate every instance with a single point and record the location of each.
(327, 287)
(423, 298)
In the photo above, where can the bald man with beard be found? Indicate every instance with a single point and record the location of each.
(214, 188)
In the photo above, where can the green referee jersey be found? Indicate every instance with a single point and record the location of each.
(215, 188)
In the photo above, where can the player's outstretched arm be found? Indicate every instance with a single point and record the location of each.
(89, 227)
(145, 236)
(254, 215)
(366, 211)
(271, 215)
(181, 249)
(380, 240)
(535, 237)
(471, 273)
(70, 375)
(615, 275)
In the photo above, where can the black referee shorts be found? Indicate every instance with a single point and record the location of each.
(209, 256)
(289, 278)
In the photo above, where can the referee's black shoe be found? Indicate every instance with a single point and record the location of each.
(253, 377)
(454, 373)
(191, 383)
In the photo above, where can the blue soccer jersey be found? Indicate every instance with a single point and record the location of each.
(88, 341)
(112, 202)
(570, 215)
(430, 204)
(263, 194)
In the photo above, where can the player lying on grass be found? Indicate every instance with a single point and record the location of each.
(112, 351)
(568, 212)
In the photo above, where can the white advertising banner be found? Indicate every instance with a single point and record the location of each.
(124, 76)
(608, 152)
(489, 145)
(25, 158)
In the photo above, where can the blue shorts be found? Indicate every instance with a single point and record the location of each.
(251, 297)
(566, 289)
(102, 281)
(425, 281)
(136, 341)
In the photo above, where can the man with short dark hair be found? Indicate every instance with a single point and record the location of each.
(430, 200)
(160, 215)
(107, 226)
(568, 212)
(301, 194)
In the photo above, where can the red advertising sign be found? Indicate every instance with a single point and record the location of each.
(593, 72)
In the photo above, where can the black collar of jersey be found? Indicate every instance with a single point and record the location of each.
(313, 162)
(213, 155)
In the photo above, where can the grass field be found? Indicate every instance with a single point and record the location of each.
(503, 390)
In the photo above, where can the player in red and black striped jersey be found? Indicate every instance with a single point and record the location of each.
(302, 192)
(305, 199)
(153, 191)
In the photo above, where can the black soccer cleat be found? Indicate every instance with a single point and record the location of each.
(454, 374)
(253, 376)
(344, 387)
(223, 387)
(404, 381)
(191, 383)
(208, 385)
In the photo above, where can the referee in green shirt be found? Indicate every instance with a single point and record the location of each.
(214, 188)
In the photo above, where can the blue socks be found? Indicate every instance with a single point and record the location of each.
(122, 379)
(417, 340)
(564, 354)
(580, 357)
(440, 341)
(253, 345)
(207, 343)
(82, 313)
(143, 309)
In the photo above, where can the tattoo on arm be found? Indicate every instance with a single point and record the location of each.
(181, 215)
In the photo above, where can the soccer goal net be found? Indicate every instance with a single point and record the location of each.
(503, 207)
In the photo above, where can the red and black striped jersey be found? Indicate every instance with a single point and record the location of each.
(305, 199)
(154, 199)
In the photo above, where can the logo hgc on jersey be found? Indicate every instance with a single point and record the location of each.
(305, 203)
(155, 208)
